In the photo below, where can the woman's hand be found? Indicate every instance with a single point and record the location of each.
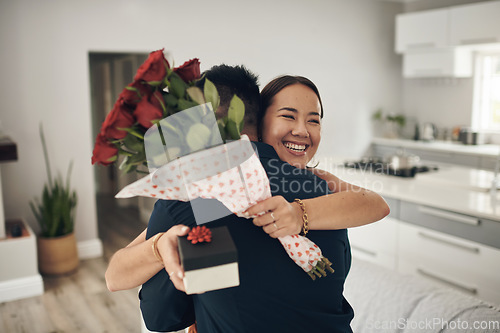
(277, 217)
(167, 247)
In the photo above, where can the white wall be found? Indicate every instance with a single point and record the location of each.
(446, 102)
(346, 47)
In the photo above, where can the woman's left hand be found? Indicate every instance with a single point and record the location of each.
(277, 217)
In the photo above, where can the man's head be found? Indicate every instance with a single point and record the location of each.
(239, 81)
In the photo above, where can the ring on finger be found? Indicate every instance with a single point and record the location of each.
(272, 216)
(275, 226)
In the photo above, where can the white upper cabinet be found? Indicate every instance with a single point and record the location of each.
(439, 43)
(422, 30)
(445, 62)
(477, 23)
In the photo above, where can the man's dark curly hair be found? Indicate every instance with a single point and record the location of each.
(239, 81)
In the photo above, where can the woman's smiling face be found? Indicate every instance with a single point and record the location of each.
(292, 124)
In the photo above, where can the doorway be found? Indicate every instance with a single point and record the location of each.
(109, 74)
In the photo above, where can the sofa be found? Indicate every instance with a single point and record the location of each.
(387, 301)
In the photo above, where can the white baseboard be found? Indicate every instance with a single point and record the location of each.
(89, 249)
(11, 290)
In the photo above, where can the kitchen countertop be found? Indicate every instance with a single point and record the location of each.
(488, 150)
(453, 188)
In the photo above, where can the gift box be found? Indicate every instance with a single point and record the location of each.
(209, 265)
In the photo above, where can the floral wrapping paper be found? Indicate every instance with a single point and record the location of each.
(233, 174)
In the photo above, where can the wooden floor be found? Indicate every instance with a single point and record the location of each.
(81, 302)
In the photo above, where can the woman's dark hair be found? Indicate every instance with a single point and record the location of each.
(275, 86)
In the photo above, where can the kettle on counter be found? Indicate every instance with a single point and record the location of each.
(428, 132)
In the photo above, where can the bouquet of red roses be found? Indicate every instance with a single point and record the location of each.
(157, 92)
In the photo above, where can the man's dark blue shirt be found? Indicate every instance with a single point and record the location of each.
(274, 295)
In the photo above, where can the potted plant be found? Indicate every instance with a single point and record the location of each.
(57, 252)
(393, 123)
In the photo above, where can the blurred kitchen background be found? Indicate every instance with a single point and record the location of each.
(397, 78)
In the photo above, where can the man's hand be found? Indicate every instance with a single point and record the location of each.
(167, 247)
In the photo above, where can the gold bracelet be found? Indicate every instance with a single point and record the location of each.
(305, 218)
(155, 247)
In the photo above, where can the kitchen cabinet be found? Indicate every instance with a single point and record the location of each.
(452, 261)
(475, 24)
(446, 62)
(488, 163)
(481, 231)
(454, 249)
(449, 248)
(422, 30)
(377, 242)
(432, 41)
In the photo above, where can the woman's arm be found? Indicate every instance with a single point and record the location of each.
(355, 206)
(349, 206)
(136, 263)
(132, 265)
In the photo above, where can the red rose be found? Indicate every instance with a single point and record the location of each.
(153, 69)
(103, 151)
(119, 117)
(149, 109)
(189, 71)
(132, 97)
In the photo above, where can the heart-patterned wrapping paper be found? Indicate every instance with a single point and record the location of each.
(233, 174)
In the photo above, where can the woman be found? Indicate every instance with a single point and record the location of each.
(291, 124)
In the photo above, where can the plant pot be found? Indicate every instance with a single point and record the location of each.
(57, 255)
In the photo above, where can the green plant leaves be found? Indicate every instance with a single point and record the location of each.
(177, 86)
(211, 94)
(196, 95)
(54, 213)
(235, 115)
(236, 110)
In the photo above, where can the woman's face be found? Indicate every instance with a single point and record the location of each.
(292, 124)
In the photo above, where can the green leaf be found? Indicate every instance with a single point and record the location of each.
(154, 83)
(133, 143)
(161, 99)
(177, 86)
(221, 123)
(133, 132)
(130, 168)
(137, 158)
(236, 111)
(232, 130)
(196, 95)
(377, 115)
(183, 104)
(211, 94)
(171, 100)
